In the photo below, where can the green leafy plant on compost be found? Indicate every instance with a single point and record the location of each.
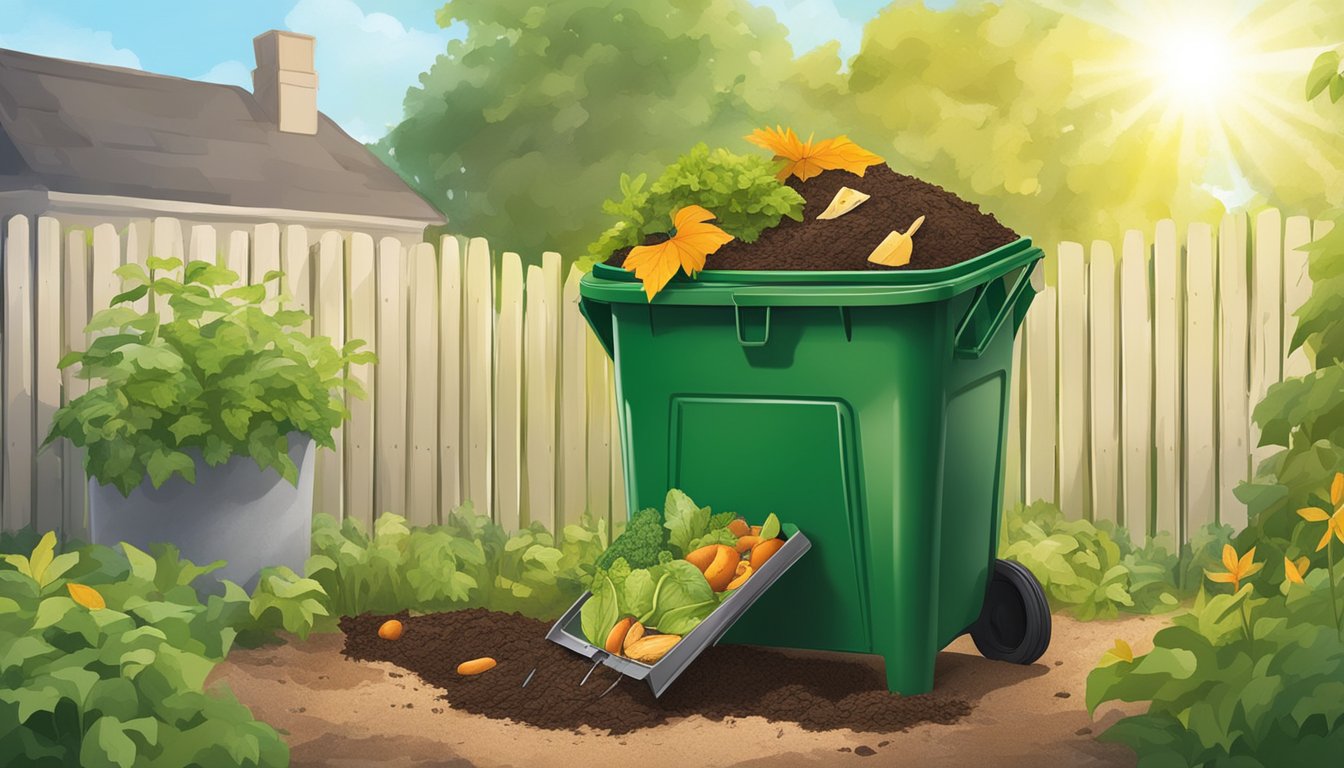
(467, 562)
(742, 191)
(225, 375)
(1095, 571)
(104, 655)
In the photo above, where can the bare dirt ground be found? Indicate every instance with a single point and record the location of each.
(338, 712)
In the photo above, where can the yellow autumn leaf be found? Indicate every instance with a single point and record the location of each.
(86, 596)
(694, 239)
(806, 159)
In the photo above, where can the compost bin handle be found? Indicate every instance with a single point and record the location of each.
(598, 315)
(974, 333)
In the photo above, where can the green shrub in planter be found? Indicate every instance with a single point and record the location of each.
(104, 655)
(224, 375)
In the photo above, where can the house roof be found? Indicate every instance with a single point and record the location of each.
(88, 129)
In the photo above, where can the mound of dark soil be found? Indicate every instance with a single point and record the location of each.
(953, 230)
(726, 681)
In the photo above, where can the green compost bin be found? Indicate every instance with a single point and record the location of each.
(867, 408)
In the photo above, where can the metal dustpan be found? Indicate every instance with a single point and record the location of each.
(568, 632)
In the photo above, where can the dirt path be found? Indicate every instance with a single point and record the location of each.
(338, 712)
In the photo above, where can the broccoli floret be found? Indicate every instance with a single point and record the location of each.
(665, 557)
(639, 545)
(721, 520)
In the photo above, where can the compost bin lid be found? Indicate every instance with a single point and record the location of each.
(660, 675)
(725, 287)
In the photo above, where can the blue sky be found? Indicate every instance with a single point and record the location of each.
(368, 51)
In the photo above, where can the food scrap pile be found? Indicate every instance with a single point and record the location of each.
(647, 594)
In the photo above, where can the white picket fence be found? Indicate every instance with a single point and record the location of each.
(489, 386)
(1138, 375)
(1135, 377)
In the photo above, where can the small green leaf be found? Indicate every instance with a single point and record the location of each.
(41, 558)
(163, 463)
(210, 275)
(252, 294)
(133, 294)
(114, 317)
(156, 262)
(132, 275)
(1323, 71)
(190, 425)
(142, 565)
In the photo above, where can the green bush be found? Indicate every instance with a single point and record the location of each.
(225, 376)
(1219, 697)
(1095, 571)
(467, 562)
(104, 656)
(740, 190)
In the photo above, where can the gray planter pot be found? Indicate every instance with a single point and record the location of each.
(233, 512)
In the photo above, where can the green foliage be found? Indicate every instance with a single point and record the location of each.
(1303, 417)
(122, 685)
(1216, 696)
(1095, 571)
(467, 562)
(225, 376)
(639, 544)
(740, 190)
(520, 131)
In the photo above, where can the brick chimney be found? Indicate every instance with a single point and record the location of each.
(285, 82)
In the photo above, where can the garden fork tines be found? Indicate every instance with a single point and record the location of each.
(597, 662)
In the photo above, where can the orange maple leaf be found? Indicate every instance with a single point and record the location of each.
(695, 239)
(805, 159)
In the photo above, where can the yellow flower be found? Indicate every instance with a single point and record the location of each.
(1296, 570)
(86, 596)
(1236, 569)
(1334, 524)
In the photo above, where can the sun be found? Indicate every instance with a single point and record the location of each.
(1216, 81)
(1192, 62)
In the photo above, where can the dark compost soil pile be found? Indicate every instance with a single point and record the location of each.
(726, 681)
(953, 230)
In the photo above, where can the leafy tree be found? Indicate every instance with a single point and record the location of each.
(520, 131)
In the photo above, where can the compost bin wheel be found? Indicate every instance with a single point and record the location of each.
(1014, 623)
